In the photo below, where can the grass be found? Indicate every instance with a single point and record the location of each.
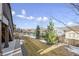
(37, 48)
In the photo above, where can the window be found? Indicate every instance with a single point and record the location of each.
(72, 35)
(78, 36)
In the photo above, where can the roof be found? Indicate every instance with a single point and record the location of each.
(72, 28)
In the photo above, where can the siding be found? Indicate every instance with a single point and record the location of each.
(72, 35)
(0, 11)
(72, 38)
(7, 13)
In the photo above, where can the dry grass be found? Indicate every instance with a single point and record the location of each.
(37, 48)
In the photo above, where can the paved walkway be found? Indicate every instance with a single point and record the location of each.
(73, 49)
(30, 36)
(14, 49)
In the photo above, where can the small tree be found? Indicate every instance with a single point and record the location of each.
(38, 32)
(14, 27)
(51, 36)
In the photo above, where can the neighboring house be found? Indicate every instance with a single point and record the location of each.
(66, 35)
(72, 36)
(6, 25)
(30, 32)
(59, 31)
(60, 34)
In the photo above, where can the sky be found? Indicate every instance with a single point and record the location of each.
(29, 15)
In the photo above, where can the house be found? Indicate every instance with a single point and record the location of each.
(6, 25)
(60, 34)
(68, 35)
(72, 36)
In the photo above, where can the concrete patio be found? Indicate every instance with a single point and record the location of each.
(14, 49)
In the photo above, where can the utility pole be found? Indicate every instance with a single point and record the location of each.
(0, 29)
(0, 37)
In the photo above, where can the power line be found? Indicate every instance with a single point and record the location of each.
(74, 21)
(64, 24)
(76, 6)
(74, 10)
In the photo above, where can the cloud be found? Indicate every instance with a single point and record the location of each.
(23, 12)
(30, 17)
(13, 12)
(26, 17)
(45, 18)
(71, 23)
(42, 18)
(39, 19)
(21, 16)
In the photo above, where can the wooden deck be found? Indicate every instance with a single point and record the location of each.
(36, 48)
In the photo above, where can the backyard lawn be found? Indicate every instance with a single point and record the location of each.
(35, 47)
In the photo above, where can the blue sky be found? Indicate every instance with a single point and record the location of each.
(29, 15)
